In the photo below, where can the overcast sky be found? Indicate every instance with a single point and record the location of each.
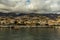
(36, 6)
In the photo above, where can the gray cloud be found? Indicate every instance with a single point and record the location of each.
(36, 6)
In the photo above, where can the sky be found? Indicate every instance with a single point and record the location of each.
(29, 6)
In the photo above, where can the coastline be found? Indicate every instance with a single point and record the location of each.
(30, 20)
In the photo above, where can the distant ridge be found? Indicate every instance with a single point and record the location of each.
(29, 14)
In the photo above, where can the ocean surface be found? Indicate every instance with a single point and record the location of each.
(36, 33)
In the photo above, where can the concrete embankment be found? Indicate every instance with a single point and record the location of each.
(19, 26)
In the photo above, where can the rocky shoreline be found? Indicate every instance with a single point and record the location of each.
(29, 20)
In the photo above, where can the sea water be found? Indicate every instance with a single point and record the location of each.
(30, 34)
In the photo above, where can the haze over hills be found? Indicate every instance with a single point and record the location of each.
(50, 15)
